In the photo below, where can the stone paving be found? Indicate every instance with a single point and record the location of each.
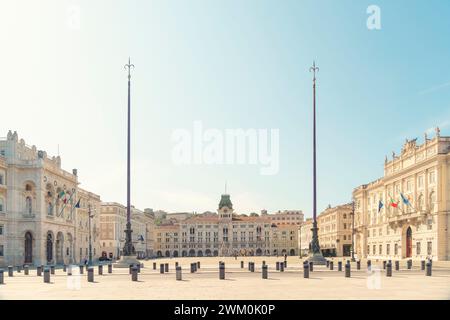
(240, 284)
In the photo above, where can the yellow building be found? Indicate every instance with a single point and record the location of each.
(405, 213)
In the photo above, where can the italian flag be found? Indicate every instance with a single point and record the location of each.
(394, 204)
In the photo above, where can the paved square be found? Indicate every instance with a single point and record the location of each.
(239, 284)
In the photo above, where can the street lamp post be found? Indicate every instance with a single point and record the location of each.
(316, 255)
(90, 236)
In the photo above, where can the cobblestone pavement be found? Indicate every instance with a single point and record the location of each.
(239, 283)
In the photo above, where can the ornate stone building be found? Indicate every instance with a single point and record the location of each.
(225, 234)
(38, 207)
(287, 217)
(405, 214)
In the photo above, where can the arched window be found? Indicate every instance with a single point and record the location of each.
(28, 187)
(28, 205)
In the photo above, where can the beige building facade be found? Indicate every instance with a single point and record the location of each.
(405, 213)
(38, 202)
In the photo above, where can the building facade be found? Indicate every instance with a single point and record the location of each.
(287, 217)
(38, 202)
(405, 213)
(225, 234)
(335, 231)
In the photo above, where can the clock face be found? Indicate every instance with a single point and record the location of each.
(225, 210)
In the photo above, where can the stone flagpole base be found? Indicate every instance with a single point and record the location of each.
(126, 261)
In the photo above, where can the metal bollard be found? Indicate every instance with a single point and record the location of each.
(39, 271)
(409, 264)
(134, 273)
(26, 269)
(264, 271)
(90, 273)
(81, 269)
(47, 275)
(10, 271)
(311, 266)
(331, 265)
(2, 278)
(52, 269)
(389, 269)
(198, 264)
(166, 267)
(278, 266)
(281, 267)
(358, 265)
(397, 265)
(428, 267)
(69, 270)
(110, 268)
(154, 265)
(305, 269)
(242, 264)
(339, 265)
(178, 273)
(161, 268)
(100, 270)
(192, 268)
(347, 269)
(422, 265)
(222, 271)
(19, 269)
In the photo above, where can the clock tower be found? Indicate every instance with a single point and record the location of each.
(225, 208)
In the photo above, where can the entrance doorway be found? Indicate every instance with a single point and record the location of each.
(409, 243)
(28, 248)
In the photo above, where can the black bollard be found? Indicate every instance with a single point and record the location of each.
(2, 277)
(242, 264)
(166, 267)
(389, 269)
(264, 271)
(397, 265)
(90, 274)
(110, 268)
(161, 268)
(249, 266)
(154, 265)
(26, 269)
(39, 271)
(311, 266)
(52, 269)
(278, 266)
(347, 269)
(428, 267)
(331, 265)
(422, 265)
(10, 271)
(198, 264)
(100, 270)
(192, 268)
(409, 264)
(281, 267)
(305, 269)
(358, 265)
(339, 265)
(222, 271)
(81, 269)
(178, 273)
(19, 269)
(134, 273)
(46, 275)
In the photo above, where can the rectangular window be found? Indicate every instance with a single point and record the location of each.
(429, 248)
(374, 249)
(396, 249)
(1, 230)
(381, 249)
(388, 249)
(1, 250)
(432, 178)
(418, 248)
(368, 249)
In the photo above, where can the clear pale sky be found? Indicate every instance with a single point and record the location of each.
(229, 64)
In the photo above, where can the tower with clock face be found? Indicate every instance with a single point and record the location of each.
(225, 208)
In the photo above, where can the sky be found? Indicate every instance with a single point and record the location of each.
(230, 65)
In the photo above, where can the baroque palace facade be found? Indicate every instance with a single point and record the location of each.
(405, 214)
(43, 211)
(225, 234)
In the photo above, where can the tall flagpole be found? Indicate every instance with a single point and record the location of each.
(315, 255)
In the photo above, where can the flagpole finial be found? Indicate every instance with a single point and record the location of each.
(314, 69)
(129, 66)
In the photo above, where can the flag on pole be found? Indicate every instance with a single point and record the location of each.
(77, 204)
(405, 200)
(61, 194)
(394, 204)
(380, 206)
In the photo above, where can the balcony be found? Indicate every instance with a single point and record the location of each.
(411, 217)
